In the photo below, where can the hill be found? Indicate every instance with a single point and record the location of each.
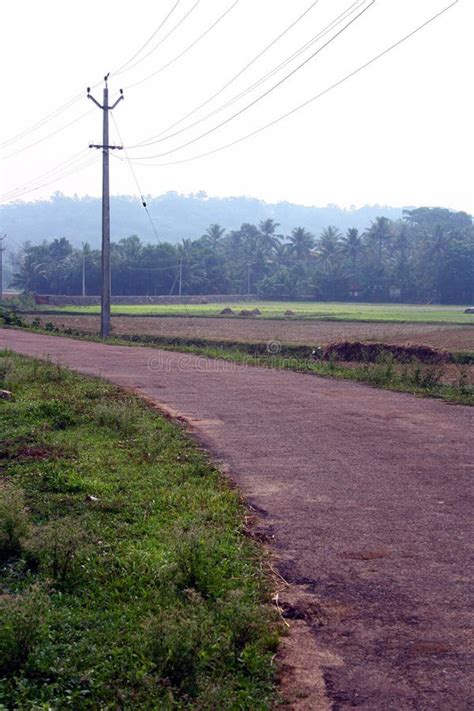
(175, 216)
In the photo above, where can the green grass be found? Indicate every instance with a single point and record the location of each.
(126, 577)
(307, 310)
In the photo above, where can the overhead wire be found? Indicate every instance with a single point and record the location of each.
(123, 66)
(48, 136)
(171, 32)
(240, 72)
(54, 169)
(267, 92)
(338, 20)
(186, 50)
(74, 99)
(142, 198)
(71, 170)
(140, 192)
(42, 121)
(314, 98)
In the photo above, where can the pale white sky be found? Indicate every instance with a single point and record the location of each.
(399, 133)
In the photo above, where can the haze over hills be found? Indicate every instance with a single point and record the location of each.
(176, 217)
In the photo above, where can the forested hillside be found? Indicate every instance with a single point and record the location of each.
(427, 256)
(175, 216)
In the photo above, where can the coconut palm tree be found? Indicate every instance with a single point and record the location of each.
(351, 245)
(269, 240)
(329, 246)
(380, 233)
(213, 235)
(301, 243)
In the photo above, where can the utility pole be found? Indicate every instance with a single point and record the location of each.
(106, 277)
(248, 277)
(83, 269)
(180, 275)
(2, 249)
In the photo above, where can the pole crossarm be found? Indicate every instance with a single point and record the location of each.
(110, 148)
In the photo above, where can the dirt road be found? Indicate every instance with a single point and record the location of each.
(367, 495)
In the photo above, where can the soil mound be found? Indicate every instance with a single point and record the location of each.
(373, 352)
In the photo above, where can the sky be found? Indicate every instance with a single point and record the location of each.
(397, 133)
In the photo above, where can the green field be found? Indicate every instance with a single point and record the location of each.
(337, 311)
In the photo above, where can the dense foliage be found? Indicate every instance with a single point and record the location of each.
(426, 256)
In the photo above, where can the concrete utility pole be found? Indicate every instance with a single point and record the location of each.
(180, 275)
(106, 278)
(83, 270)
(2, 249)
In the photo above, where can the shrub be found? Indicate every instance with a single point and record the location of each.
(119, 416)
(423, 376)
(58, 549)
(21, 626)
(14, 520)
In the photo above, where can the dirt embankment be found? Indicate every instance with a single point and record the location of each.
(320, 333)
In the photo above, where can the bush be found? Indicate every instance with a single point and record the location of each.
(21, 626)
(119, 416)
(423, 376)
(58, 549)
(14, 520)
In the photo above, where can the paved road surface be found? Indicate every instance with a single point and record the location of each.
(367, 494)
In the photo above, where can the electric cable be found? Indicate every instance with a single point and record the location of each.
(15, 195)
(49, 135)
(172, 31)
(266, 93)
(142, 198)
(240, 72)
(187, 49)
(338, 20)
(123, 66)
(308, 101)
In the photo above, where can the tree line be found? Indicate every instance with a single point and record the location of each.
(426, 256)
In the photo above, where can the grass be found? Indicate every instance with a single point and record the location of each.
(126, 577)
(338, 311)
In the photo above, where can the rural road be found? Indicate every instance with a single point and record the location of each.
(367, 495)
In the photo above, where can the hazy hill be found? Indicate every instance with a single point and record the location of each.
(176, 216)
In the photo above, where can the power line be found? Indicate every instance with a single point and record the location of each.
(338, 20)
(142, 198)
(239, 73)
(312, 99)
(49, 135)
(41, 122)
(123, 66)
(54, 169)
(266, 93)
(73, 100)
(172, 31)
(187, 49)
(15, 194)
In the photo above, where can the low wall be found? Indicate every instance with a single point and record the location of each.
(58, 300)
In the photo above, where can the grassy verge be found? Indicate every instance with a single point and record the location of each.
(126, 577)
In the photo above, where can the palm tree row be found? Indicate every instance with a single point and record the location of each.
(429, 255)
